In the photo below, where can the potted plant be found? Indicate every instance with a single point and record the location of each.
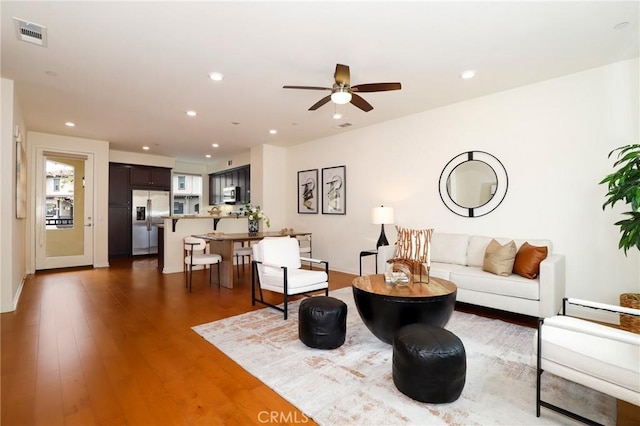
(624, 185)
(254, 214)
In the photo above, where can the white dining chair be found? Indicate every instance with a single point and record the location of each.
(196, 255)
(276, 267)
(240, 252)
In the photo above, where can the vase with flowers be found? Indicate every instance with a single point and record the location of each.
(254, 215)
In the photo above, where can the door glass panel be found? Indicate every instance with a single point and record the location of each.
(64, 206)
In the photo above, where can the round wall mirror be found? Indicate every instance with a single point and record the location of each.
(473, 183)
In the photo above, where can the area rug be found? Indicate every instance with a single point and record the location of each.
(352, 385)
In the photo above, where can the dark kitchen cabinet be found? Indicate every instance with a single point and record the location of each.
(239, 176)
(119, 210)
(122, 179)
(151, 177)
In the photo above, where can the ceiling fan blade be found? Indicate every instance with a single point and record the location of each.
(306, 87)
(342, 75)
(320, 103)
(360, 103)
(376, 87)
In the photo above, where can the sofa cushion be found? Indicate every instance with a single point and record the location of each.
(499, 259)
(477, 248)
(528, 258)
(475, 279)
(590, 351)
(449, 248)
(443, 270)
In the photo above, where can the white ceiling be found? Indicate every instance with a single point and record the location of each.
(126, 72)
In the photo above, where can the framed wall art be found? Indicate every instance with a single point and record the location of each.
(308, 194)
(334, 190)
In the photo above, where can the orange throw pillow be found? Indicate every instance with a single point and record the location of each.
(528, 260)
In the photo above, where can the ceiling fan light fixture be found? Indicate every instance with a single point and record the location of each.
(341, 96)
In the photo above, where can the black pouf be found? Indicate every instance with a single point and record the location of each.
(429, 363)
(322, 322)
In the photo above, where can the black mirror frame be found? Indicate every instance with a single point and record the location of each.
(502, 184)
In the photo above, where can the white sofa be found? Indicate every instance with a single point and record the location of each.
(459, 257)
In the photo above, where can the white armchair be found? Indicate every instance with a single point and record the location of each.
(276, 267)
(597, 356)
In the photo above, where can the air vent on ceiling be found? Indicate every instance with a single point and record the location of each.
(30, 32)
(344, 125)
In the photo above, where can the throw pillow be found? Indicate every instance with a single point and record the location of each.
(528, 258)
(499, 259)
(413, 244)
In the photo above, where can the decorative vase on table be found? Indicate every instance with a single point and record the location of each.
(253, 226)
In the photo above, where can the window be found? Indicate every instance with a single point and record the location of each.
(56, 185)
(187, 193)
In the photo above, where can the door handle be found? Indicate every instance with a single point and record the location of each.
(88, 225)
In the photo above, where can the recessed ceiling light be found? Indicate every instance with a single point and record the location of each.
(337, 116)
(191, 113)
(215, 145)
(621, 25)
(70, 124)
(146, 148)
(216, 76)
(468, 74)
(273, 131)
(208, 155)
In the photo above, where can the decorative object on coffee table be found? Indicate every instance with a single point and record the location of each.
(414, 249)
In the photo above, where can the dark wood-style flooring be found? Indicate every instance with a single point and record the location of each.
(114, 346)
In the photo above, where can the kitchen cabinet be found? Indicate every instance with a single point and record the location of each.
(151, 177)
(119, 210)
(123, 178)
(239, 176)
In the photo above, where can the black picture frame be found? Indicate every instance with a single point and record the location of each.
(308, 192)
(334, 190)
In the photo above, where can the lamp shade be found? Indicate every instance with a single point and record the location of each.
(341, 97)
(382, 215)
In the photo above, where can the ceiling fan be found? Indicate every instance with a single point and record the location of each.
(342, 92)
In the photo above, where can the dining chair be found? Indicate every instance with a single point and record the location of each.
(276, 267)
(240, 251)
(195, 255)
(304, 241)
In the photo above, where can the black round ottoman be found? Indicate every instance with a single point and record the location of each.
(322, 322)
(429, 363)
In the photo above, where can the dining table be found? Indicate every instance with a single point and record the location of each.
(222, 243)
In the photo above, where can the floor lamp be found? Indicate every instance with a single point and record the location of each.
(380, 216)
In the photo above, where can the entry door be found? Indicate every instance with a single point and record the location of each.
(64, 209)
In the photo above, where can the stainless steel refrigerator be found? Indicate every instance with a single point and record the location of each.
(148, 209)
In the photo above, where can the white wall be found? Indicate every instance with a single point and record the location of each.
(141, 159)
(100, 151)
(553, 138)
(12, 244)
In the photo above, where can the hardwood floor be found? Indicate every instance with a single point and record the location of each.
(114, 346)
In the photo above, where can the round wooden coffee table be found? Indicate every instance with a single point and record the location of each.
(384, 308)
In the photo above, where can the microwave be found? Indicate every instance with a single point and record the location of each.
(231, 194)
